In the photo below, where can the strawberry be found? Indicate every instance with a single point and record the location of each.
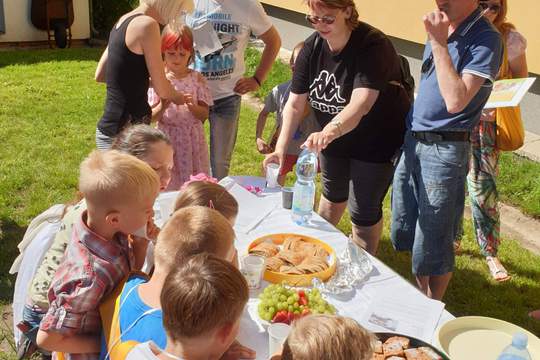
(303, 301)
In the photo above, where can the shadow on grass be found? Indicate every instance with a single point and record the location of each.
(11, 234)
(472, 293)
(29, 57)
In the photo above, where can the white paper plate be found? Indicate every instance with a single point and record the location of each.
(480, 338)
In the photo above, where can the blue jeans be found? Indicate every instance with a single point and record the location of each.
(223, 117)
(428, 196)
(32, 318)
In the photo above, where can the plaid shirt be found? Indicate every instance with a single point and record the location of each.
(90, 270)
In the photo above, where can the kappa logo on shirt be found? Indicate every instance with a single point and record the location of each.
(325, 94)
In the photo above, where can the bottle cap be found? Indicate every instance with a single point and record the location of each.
(519, 340)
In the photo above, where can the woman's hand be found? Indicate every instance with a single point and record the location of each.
(318, 141)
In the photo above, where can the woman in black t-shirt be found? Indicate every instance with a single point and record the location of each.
(350, 74)
(132, 56)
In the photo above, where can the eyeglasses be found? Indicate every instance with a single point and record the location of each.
(494, 8)
(428, 63)
(326, 19)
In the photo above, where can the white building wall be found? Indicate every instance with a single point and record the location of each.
(20, 28)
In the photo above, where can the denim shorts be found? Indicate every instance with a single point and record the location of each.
(428, 195)
(32, 318)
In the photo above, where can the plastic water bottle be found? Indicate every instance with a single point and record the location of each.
(304, 187)
(517, 350)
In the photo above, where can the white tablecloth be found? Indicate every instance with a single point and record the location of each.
(354, 305)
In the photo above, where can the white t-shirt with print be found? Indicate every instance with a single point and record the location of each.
(233, 21)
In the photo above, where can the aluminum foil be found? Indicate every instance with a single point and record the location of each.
(353, 267)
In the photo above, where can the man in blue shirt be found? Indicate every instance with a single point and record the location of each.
(461, 60)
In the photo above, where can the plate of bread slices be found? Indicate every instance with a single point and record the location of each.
(294, 259)
(390, 346)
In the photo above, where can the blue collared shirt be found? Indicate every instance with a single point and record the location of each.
(475, 48)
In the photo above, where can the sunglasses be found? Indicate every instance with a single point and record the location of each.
(427, 64)
(326, 19)
(493, 8)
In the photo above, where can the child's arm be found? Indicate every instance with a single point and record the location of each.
(73, 344)
(200, 110)
(262, 146)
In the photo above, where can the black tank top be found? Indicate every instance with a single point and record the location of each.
(127, 84)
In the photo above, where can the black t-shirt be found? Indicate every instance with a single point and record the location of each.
(368, 60)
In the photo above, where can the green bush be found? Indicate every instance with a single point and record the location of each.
(105, 13)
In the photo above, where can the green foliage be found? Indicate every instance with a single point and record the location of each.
(519, 183)
(105, 13)
(279, 73)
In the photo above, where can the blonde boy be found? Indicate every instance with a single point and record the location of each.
(202, 302)
(327, 337)
(189, 231)
(120, 191)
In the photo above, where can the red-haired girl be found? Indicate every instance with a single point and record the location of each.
(183, 123)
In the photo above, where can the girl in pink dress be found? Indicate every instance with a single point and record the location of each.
(183, 123)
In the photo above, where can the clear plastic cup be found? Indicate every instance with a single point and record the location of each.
(272, 173)
(253, 269)
(277, 334)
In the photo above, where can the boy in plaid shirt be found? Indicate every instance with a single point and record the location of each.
(120, 191)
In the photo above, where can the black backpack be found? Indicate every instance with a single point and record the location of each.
(407, 80)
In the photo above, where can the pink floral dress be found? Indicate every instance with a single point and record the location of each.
(185, 130)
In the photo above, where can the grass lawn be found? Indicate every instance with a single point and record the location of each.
(49, 106)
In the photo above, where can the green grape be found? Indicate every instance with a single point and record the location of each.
(296, 305)
(281, 306)
(296, 296)
(272, 310)
(296, 312)
(321, 309)
(291, 308)
(290, 300)
(282, 297)
(275, 298)
(302, 307)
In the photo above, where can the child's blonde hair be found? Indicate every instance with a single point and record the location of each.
(204, 193)
(203, 294)
(328, 337)
(190, 231)
(170, 10)
(111, 178)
